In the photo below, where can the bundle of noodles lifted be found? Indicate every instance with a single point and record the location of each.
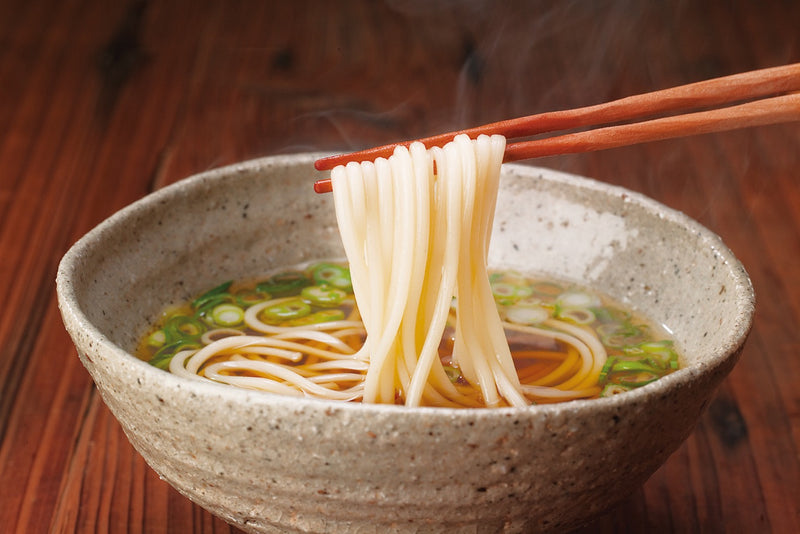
(417, 241)
(418, 319)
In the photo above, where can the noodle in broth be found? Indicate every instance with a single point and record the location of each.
(421, 322)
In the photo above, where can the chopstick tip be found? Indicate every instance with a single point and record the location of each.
(323, 164)
(323, 186)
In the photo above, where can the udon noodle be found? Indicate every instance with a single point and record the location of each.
(418, 319)
(416, 239)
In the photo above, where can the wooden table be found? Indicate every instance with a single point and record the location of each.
(103, 102)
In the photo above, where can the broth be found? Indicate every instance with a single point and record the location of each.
(548, 325)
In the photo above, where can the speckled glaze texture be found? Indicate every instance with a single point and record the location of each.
(273, 464)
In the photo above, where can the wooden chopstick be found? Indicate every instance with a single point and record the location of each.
(757, 113)
(715, 92)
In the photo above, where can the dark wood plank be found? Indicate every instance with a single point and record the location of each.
(102, 102)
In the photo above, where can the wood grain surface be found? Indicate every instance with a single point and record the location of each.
(103, 102)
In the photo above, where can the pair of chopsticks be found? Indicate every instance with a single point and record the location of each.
(751, 87)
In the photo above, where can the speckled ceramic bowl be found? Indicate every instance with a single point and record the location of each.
(273, 464)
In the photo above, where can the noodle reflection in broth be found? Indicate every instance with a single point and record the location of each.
(422, 322)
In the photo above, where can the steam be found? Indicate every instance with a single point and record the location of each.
(505, 51)
(466, 63)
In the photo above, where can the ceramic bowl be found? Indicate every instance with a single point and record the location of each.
(267, 463)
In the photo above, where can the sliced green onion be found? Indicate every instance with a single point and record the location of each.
(157, 338)
(453, 373)
(246, 298)
(633, 365)
(284, 284)
(547, 289)
(660, 353)
(606, 369)
(577, 299)
(633, 350)
(670, 360)
(227, 315)
(286, 311)
(495, 277)
(612, 315)
(656, 346)
(204, 311)
(506, 293)
(577, 315)
(637, 379)
(332, 274)
(323, 295)
(619, 335)
(502, 291)
(162, 358)
(213, 294)
(533, 300)
(526, 315)
(656, 362)
(322, 316)
(180, 327)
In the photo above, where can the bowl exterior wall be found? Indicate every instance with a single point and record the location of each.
(270, 465)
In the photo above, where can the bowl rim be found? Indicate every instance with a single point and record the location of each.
(72, 313)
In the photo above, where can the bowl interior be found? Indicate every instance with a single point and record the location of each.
(248, 219)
